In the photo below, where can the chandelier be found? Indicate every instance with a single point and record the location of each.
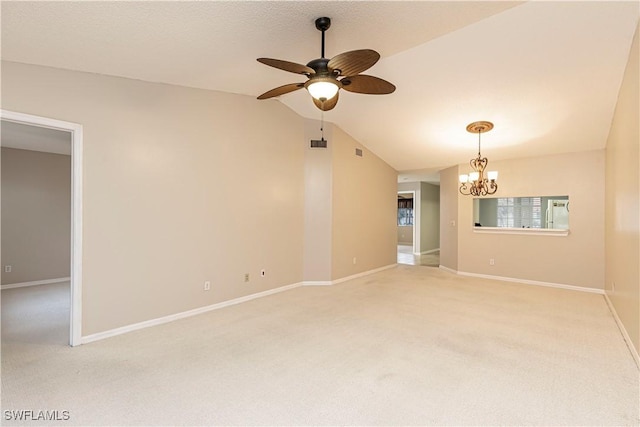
(475, 183)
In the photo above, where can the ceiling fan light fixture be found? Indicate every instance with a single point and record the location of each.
(322, 88)
(327, 76)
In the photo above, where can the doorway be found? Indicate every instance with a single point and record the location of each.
(406, 227)
(74, 132)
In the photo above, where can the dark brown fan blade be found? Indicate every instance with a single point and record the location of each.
(281, 90)
(292, 67)
(328, 104)
(367, 84)
(354, 62)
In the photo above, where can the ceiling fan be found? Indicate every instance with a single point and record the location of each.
(327, 76)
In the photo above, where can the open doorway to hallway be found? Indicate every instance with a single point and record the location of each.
(406, 256)
(36, 233)
(41, 229)
(418, 224)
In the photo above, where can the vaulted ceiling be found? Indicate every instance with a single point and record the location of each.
(547, 74)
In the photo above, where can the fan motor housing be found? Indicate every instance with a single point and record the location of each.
(320, 66)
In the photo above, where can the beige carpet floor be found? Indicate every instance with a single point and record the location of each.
(407, 346)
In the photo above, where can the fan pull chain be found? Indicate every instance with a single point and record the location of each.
(322, 125)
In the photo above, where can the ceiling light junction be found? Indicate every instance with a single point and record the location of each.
(475, 183)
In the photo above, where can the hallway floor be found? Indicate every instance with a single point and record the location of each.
(406, 256)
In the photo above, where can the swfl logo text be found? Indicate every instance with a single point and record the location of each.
(31, 415)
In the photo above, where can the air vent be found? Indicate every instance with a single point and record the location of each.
(358, 152)
(318, 143)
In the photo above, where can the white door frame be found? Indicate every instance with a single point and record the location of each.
(75, 333)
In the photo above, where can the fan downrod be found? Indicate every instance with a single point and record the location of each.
(323, 25)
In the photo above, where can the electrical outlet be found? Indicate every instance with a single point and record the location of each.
(492, 261)
(354, 260)
(246, 277)
(613, 286)
(7, 269)
(207, 285)
(263, 273)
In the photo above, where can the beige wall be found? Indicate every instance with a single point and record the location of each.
(622, 202)
(449, 218)
(184, 185)
(36, 215)
(364, 209)
(429, 217)
(180, 186)
(576, 259)
(317, 204)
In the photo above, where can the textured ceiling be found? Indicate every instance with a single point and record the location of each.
(546, 73)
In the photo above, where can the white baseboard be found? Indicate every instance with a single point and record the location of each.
(170, 318)
(364, 273)
(344, 279)
(430, 251)
(623, 331)
(527, 282)
(447, 269)
(35, 283)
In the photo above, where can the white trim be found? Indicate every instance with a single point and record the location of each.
(429, 252)
(170, 318)
(447, 269)
(75, 324)
(526, 281)
(364, 273)
(623, 331)
(534, 282)
(34, 283)
(200, 310)
(344, 279)
(527, 231)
